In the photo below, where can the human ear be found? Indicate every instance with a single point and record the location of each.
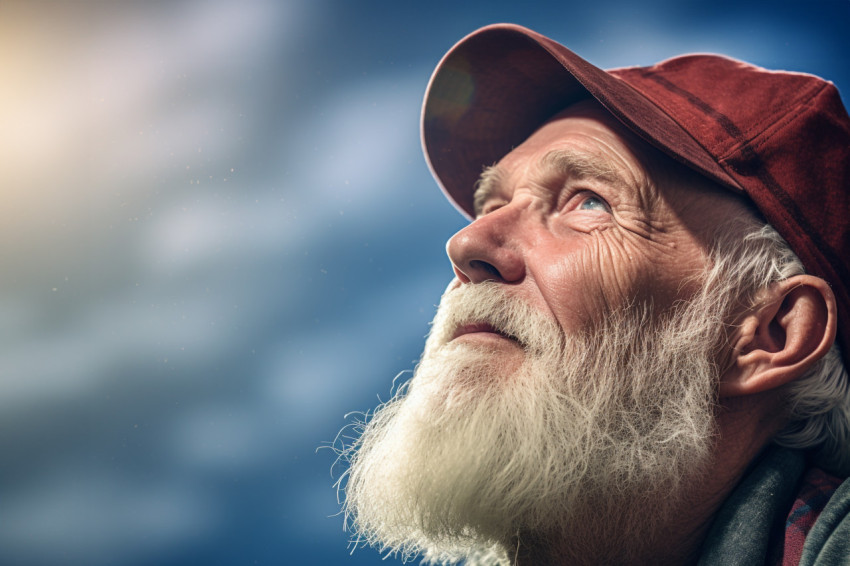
(793, 325)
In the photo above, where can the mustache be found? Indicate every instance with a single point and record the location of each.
(490, 307)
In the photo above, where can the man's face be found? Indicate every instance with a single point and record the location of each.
(583, 219)
(571, 368)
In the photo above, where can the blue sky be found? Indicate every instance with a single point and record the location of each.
(219, 237)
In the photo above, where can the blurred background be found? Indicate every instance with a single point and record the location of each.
(218, 236)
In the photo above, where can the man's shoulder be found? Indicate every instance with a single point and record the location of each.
(782, 512)
(828, 541)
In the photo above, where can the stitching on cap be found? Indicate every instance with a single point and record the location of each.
(625, 119)
(730, 127)
(787, 119)
(788, 109)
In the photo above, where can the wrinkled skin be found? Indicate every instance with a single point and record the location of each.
(580, 246)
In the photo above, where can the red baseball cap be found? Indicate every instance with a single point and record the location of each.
(781, 138)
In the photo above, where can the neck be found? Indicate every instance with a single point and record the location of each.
(650, 532)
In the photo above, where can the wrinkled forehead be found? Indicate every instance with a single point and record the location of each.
(597, 142)
(654, 161)
(591, 119)
(584, 140)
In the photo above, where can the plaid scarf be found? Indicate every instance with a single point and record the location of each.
(816, 489)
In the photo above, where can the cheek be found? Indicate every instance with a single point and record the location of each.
(624, 269)
(591, 279)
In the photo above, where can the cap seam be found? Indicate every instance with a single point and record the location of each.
(761, 137)
(706, 109)
(804, 106)
(788, 110)
(612, 108)
(731, 128)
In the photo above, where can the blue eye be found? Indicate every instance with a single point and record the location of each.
(593, 203)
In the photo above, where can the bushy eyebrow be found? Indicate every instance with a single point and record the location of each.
(581, 166)
(486, 186)
(567, 163)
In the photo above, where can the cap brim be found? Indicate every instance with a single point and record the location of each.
(496, 86)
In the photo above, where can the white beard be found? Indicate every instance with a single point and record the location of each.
(591, 434)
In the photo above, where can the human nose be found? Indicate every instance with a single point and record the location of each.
(482, 251)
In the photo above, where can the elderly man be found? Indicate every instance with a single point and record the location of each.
(639, 358)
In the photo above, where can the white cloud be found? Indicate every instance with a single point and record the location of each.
(107, 97)
(223, 436)
(107, 123)
(339, 162)
(362, 140)
(81, 517)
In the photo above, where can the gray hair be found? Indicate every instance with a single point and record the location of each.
(819, 402)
